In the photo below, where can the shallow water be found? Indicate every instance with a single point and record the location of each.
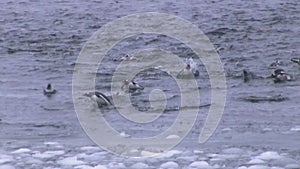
(40, 42)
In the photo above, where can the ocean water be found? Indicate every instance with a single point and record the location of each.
(40, 42)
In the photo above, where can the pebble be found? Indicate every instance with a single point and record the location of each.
(269, 155)
(256, 161)
(7, 167)
(100, 167)
(292, 166)
(116, 165)
(83, 167)
(139, 165)
(200, 165)
(233, 151)
(188, 158)
(148, 154)
(5, 159)
(89, 157)
(33, 161)
(242, 167)
(259, 167)
(169, 165)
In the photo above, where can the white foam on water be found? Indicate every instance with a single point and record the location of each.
(48, 154)
(21, 151)
(51, 143)
(295, 129)
(267, 129)
(169, 165)
(173, 137)
(123, 134)
(226, 129)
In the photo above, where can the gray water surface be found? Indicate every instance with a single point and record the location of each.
(41, 40)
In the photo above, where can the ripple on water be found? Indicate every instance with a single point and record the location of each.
(42, 44)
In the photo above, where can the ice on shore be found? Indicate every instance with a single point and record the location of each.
(48, 154)
(70, 161)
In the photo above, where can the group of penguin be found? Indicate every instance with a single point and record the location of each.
(128, 86)
(98, 97)
(279, 75)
